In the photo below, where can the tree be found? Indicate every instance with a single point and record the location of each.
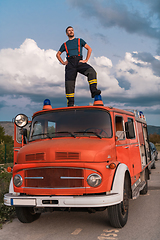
(154, 138)
(6, 147)
(7, 139)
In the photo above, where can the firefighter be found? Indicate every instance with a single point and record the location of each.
(75, 64)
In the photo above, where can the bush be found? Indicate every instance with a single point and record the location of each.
(6, 147)
(6, 213)
(154, 138)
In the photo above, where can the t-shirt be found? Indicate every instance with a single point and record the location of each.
(72, 46)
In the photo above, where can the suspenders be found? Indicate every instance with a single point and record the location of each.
(66, 49)
(79, 47)
(79, 52)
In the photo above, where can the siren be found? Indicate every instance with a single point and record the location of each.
(47, 105)
(98, 101)
(141, 115)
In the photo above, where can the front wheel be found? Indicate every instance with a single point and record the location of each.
(26, 214)
(118, 214)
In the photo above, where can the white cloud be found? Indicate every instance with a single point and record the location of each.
(36, 73)
(30, 69)
(103, 62)
(140, 75)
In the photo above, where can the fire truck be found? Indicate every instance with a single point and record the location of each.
(87, 158)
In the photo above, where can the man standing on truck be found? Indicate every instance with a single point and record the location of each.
(75, 64)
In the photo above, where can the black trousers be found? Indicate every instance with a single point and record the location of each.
(72, 68)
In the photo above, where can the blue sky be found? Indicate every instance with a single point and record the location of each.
(125, 39)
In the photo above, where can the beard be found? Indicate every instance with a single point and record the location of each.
(71, 35)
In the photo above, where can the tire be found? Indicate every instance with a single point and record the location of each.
(26, 214)
(118, 214)
(153, 166)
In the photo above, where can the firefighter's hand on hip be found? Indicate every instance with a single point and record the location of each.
(65, 63)
(83, 61)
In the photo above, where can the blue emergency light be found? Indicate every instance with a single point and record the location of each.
(98, 98)
(47, 102)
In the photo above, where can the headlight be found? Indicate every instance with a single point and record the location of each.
(21, 120)
(94, 180)
(18, 180)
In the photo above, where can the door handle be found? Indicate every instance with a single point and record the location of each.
(126, 147)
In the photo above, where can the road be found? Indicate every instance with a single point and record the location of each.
(143, 222)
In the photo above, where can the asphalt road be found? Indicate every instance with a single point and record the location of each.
(143, 222)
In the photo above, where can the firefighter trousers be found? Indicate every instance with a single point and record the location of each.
(72, 68)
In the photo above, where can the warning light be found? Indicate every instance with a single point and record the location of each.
(47, 104)
(97, 98)
(98, 101)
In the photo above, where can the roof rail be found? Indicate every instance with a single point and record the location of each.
(137, 113)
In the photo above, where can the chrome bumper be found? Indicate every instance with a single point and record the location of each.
(62, 201)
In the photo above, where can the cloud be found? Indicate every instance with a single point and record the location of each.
(113, 13)
(29, 74)
(30, 70)
(3, 104)
(103, 62)
(154, 6)
(141, 71)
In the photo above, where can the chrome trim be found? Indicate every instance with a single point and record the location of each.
(21, 179)
(55, 188)
(34, 178)
(71, 177)
(126, 144)
(100, 178)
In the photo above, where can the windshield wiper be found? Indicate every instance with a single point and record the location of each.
(40, 134)
(65, 132)
(90, 132)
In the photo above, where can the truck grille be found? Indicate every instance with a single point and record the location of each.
(54, 178)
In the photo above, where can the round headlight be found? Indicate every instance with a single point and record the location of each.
(18, 180)
(94, 180)
(21, 120)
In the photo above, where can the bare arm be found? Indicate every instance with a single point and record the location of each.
(58, 55)
(89, 50)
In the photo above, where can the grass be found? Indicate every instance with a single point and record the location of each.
(6, 213)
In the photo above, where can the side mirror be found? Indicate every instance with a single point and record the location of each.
(24, 133)
(129, 130)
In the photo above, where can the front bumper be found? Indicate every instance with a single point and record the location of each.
(62, 201)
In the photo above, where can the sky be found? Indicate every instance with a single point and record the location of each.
(125, 39)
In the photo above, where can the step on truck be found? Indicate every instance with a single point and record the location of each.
(88, 158)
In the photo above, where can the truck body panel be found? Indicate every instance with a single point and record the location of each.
(80, 157)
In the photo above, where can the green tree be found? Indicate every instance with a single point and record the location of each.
(6, 147)
(154, 138)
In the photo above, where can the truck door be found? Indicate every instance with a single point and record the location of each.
(134, 152)
(122, 148)
(144, 143)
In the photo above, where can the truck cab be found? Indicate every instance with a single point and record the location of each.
(89, 158)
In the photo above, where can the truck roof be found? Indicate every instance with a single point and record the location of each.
(107, 108)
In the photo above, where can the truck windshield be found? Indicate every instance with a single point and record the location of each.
(71, 122)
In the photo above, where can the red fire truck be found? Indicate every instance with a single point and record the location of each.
(88, 158)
